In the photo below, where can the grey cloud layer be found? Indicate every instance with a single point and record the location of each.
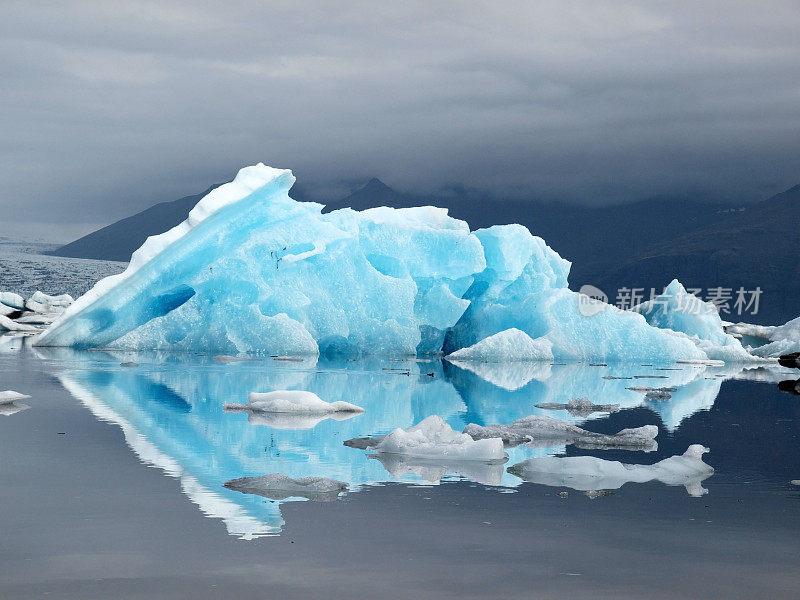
(111, 106)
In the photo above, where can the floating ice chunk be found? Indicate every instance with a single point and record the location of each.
(278, 486)
(579, 407)
(586, 473)
(434, 470)
(510, 345)
(12, 300)
(433, 438)
(7, 324)
(7, 310)
(539, 431)
(780, 340)
(43, 303)
(296, 402)
(10, 396)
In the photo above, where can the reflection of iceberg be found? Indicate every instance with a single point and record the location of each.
(589, 473)
(434, 470)
(290, 421)
(509, 376)
(545, 432)
(13, 407)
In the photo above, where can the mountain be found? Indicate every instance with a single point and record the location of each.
(641, 245)
(753, 248)
(118, 240)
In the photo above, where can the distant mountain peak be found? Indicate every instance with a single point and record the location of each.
(375, 185)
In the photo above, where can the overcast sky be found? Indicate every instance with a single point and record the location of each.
(108, 107)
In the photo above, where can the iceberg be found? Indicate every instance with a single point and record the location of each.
(543, 432)
(253, 271)
(278, 486)
(587, 473)
(433, 438)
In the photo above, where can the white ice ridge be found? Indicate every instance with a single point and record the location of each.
(778, 340)
(253, 271)
(589, 473)
(9, 396)
(296, 402)
(679, 311)
(540, 431)
(433, 438)
(278, 486)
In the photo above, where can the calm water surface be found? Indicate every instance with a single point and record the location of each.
(111, 484)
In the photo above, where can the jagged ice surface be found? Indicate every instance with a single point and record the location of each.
(253, 271)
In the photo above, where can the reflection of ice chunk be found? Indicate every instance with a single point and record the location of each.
(540, 431)
(511, 376)
(278, 486)
(434, 470)
(433, 438)
(510, 345)
(279, 420)
(589, 473)
(579, 407)
(297, 402)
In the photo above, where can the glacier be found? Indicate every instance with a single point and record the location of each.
(252, 271)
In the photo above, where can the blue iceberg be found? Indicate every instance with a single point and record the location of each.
(253, 271)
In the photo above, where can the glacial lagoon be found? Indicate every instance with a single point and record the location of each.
(113, 479)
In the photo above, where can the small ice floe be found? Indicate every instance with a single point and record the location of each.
(795, 482)
(579, 407)
(434, 470)
(278, 486)
(129, 364)
(12, 300)
(544, 432)
(292, 409)
(433, 438)
(10, 402)
(223, 358)
(43, 303)
(7, 324)
(587, 473)
(592, 494)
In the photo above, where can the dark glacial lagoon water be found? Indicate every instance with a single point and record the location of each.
(111, 484)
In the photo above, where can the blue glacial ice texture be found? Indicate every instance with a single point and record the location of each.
(254, 271)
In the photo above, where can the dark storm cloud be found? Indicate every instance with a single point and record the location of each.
(108, 107)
